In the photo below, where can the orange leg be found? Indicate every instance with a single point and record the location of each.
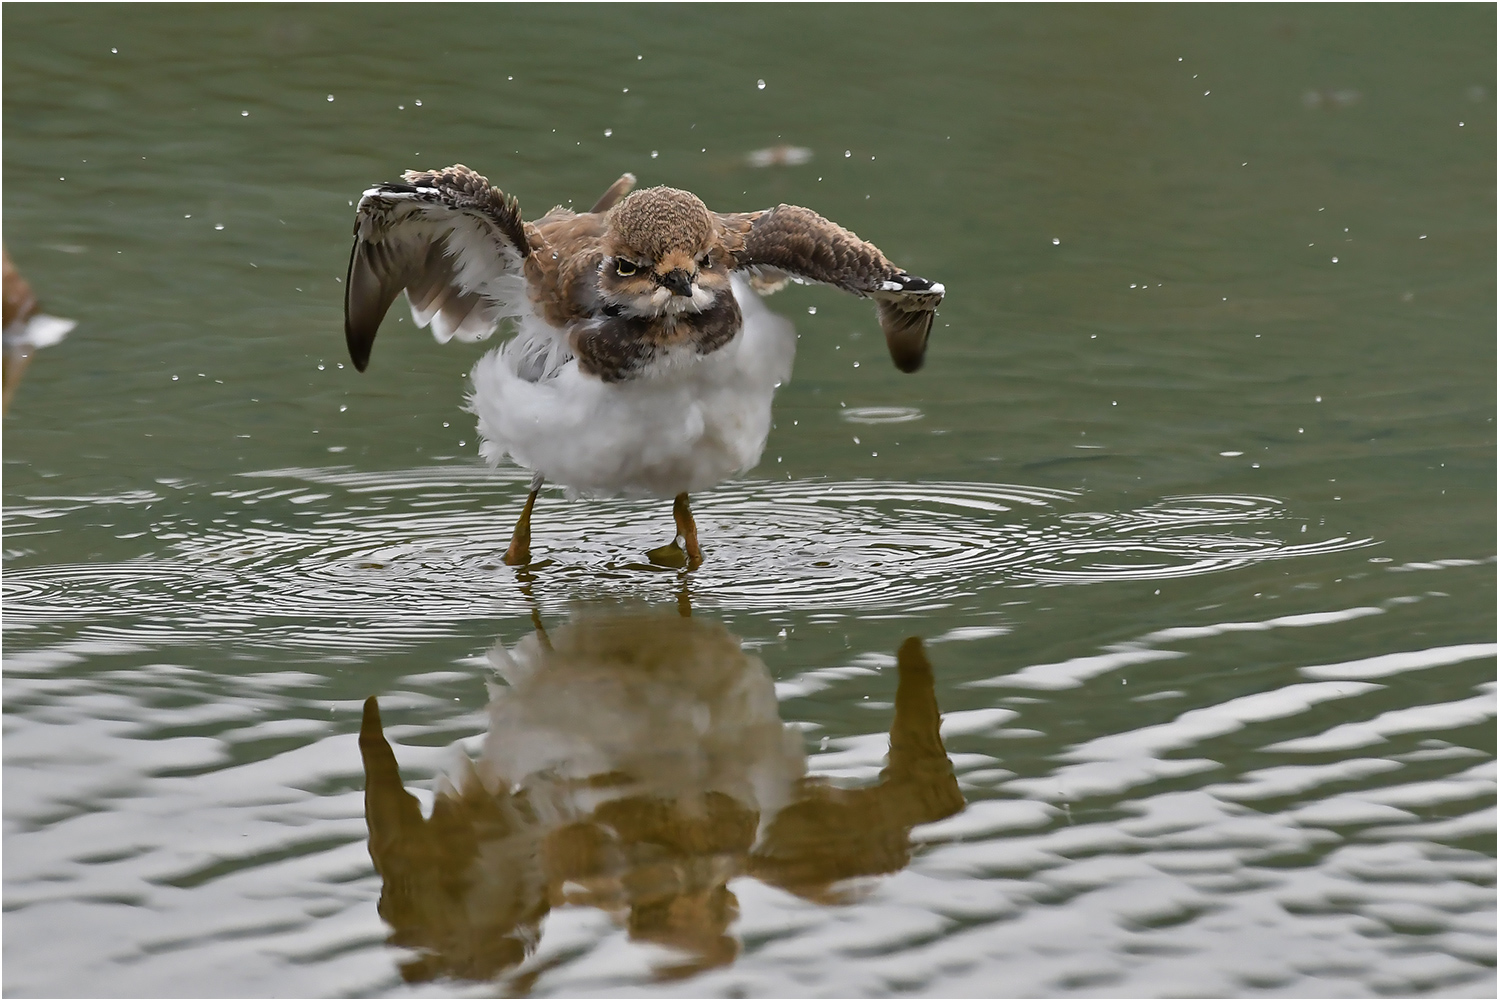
(687, 531)
(682, 551)
(520, 540)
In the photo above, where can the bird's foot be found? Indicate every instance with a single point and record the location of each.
(671, 555)
(676, 554)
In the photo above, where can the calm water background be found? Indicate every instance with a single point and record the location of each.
(1193, 503)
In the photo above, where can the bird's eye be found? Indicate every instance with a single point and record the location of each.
(706, 261)
(625, 268)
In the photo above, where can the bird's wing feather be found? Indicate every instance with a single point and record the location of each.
(453, 242)
(614, 193)
(790, 241)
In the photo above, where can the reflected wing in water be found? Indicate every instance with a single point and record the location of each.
(636, 763)
(427, 870)
(831, 834)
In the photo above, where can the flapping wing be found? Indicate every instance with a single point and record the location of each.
(792, 242)
(453, 242)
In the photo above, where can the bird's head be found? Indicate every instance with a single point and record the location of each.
(663, 255)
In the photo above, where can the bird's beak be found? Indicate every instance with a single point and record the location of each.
(679, 281)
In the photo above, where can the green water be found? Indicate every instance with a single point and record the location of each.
(1196, 523)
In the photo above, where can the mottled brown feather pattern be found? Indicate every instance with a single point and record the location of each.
(615, 348)
(667, 235)
(463, 188)
(800, 242)
(791, 240)
(562, 270)
(653, 222)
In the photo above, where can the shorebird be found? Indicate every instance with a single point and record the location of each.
(643, 363)
(27, 328)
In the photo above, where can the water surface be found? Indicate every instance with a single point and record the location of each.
(1143, 643)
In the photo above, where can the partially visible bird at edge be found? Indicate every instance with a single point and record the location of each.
(27, 328)
(643, 362)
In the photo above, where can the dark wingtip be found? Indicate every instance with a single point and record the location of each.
(906, 334)
(359, 347)
(359, 332)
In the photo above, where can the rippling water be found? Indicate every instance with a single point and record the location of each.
(405, 556)
(1143, 644)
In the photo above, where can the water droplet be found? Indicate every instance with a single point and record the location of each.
(1335, 260)
(653, 154)
(114, 50)
(218, 226)
(1231, 454)
(812, 310)
(244, 114)
(856, 439)
(760, 85)
(343, 408)
(1318, 400)
(330, 97)
(856, 365)
(625, 90)
(1055, 241)
(608, 133)
(848, 154)
(418, 102)
(174, 379)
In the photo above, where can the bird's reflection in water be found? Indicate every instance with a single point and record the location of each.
(636, 763)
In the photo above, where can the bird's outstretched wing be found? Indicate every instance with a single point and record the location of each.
(790, 241)
(453, 242)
